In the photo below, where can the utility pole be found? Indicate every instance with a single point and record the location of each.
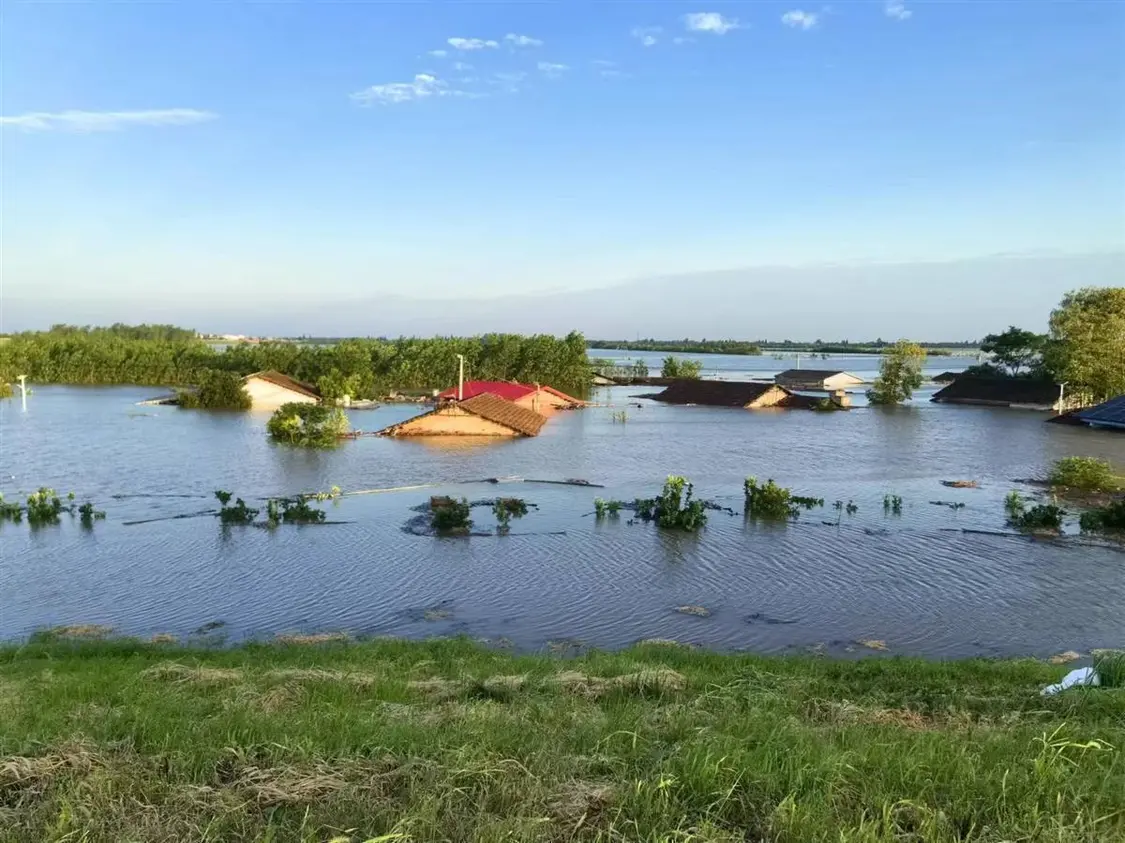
(23, 391)
(461, 377)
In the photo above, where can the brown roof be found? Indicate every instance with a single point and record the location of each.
(715, 393)
(285, 382)
(974, 389)
(494, 409)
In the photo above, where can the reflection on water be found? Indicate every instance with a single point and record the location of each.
(916, 581)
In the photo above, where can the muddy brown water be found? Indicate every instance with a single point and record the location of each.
(914, 581)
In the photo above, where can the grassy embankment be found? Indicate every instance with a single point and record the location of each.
(443, 740)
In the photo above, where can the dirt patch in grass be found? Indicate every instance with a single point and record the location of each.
(581, 803)
(270, 786)
(654, 681)
(164, 638)
(280, 698)
(312, 639)
(88, 631)
(177, 672)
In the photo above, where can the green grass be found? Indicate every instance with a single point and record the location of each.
(115, 740)
(1084, 474)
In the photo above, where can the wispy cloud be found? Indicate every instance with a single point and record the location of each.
(603, 63)
(647, 35)
(552, 69)
(471, 44)
(462, 65)
(104, 121)
(509, 83)
(438, 54)
(522, 40)
(680, 39)
(896, 9)
(799, 19)
(422, 86)
(712, 22)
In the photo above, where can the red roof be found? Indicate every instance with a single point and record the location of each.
(501, 389)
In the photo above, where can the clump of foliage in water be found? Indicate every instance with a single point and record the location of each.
(5, 389)
(892, 504)
(1044, 518)
(828, 405)
(87, 515)
(607, 509)
(307, 425)
(505, 509)
(239, 513)
(44, 507)
(900, 373)
(675, 508)
(450, 517)
(678, 367)
(1105, 519)
(1014, 503)
(774, 502)
(1084, 474)
(295, 510)
(217, 390)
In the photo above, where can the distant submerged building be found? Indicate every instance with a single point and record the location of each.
(531, 396)
(817, 380)
(485, 414)
(1018, 393)
(269, 390)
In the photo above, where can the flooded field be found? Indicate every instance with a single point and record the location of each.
(914, 581)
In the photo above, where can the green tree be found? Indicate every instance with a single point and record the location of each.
(1087, 346)
(307, 425)
(1015, 349)
(217, 391)
(900, 373)
(678, 367)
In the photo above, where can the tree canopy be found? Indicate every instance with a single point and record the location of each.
(307, 425)
(678, 367)
(1016, 350)
(900, 373)
(1087, 344)
(217, 391)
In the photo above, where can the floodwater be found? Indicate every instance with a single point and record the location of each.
(915, 581)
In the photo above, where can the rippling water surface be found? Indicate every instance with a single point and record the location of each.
(915, 581)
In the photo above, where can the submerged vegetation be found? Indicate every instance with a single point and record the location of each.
(773, 502)
(45, 507)
(900, 373)
(678, 367)
(307, 425)
(1084, 474)
(1042, 518)
(111, 740)
(1105, 519)
(450, 517)
(5, 389)
(892, 504)
(294, 510)
(239, 513)
(216, 391)
(675, 508)
(505, 509)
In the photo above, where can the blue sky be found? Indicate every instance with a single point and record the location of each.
(172, 153)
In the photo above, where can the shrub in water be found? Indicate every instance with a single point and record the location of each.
(240, 513)
(1014, 503)
(892, 504)
(1104, 519)
(1084, 474)
(774, 502)
(43, 507)
(505, 509)
(1045, 518)
(307, 425)
(88, 515)
(450, 517)
(217, 390)
(675, 509)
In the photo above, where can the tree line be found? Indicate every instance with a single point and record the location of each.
(1084, 348)
(361, 368)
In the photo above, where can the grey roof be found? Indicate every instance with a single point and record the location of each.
(1112, 412)
(814, 374)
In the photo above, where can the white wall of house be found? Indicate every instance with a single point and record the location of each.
(842, 380)
(270, 396)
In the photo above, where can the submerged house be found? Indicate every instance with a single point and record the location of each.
(1110, 414)
(1018, 393)
(531, 396)
(750, 395)
(817, 380)
(269, 390)
(482, 415)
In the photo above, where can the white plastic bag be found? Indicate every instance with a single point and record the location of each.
(1083, 677)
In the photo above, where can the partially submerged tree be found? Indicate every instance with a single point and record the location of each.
(217, 391)
(1087, 346)
(1015, 350)
(900, 373)
(678, 367)
(308, 425)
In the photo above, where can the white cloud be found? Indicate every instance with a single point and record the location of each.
(522, 40)
(896, 9)
(471, 44)
(424, 85)
(709, 22)
(799, 19)
(551, 69)
(105, 121)
(508, 82)
(438, 54)
(647, 35)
